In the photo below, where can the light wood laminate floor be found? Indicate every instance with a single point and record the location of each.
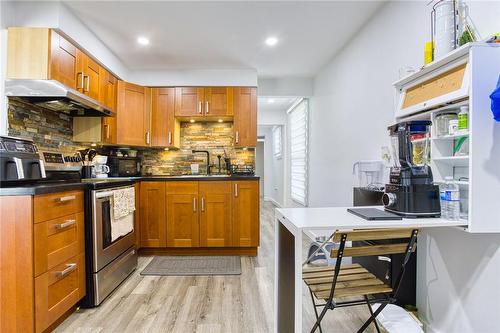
(205, 304)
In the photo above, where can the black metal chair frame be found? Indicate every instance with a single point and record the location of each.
(384, 299)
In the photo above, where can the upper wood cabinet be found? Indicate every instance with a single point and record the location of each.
(189, 101)
(108, 93)
(245, 117)
(133, 115)
(65, 66)
(203, 102)
(165, 129)
(215, 214)
(218, 101)
(182, 214)
(89, 70)
(245, 213)
(153, 224)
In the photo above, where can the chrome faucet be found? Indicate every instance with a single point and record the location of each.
(194, 151)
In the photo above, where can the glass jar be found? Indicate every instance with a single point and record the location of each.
(442, 123)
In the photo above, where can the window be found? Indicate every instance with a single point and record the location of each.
(277, 141)
(299, 130)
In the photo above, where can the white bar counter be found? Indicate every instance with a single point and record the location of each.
(291, 224)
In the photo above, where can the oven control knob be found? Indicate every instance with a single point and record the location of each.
(389, 199)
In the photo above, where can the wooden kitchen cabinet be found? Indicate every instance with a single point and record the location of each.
(153, 224)
(245, 117)
(165, 129)
(182, 214)
(218, 101)
(189, 101)
(133, 115)
(90, 71)
(42, 245)
(64, 64)
(215, 213)
(246, 213)
(193, 102)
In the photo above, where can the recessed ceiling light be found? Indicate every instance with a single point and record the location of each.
(191, 120)
(271, 41)
(143, 40)
(270, 100)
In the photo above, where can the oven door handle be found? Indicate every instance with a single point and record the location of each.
(104, 194)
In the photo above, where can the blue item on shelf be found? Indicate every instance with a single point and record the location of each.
(495, 101)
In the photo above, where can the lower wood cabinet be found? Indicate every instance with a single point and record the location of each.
(215, 214)
(42, 259)
(182, 214)
(204, 214)
(246, 213)
(153, 229)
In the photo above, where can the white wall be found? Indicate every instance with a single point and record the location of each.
(352, 104)
(286, 87)
(274, 186)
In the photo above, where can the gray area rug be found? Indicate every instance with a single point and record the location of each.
(179, 265)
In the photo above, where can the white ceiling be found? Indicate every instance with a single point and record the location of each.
(226, 35)
(275, 104)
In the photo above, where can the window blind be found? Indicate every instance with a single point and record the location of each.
(299, 130)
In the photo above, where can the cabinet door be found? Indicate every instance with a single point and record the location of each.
(133, 115)
(215, 214)
(107, 93)
(182, 214)
(189, 102)
(245, 117)
(107, 96)
(153, 230)
(64, 66)
(164, 127)
(246, 213)
(91, 82)
(218, 101)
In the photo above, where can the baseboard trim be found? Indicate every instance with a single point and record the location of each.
(274, 202)
(223, 251)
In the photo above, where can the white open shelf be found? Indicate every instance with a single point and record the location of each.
(460, 161)
(477, 172)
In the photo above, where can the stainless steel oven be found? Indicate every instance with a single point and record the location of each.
(112, 260)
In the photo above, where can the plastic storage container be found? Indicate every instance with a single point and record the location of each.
(452, 200)
(442, 122)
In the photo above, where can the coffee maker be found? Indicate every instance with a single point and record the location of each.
(411, 191)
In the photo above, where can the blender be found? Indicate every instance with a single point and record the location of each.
(411, 191)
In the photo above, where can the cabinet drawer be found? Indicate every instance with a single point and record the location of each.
(57, 241)
(58, 290)
(52, 206)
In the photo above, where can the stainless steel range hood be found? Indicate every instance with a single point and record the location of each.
(55, 96)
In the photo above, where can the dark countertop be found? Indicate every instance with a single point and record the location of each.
(34, 189)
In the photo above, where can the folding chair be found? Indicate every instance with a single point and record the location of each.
(331, 284)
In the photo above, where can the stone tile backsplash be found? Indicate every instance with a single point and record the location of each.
(48, 129)
(54, 131)
(214, 137)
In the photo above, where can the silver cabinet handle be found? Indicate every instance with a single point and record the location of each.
(42, 169)
(81, 81)
(169, 137)
(69, 268)
(200, 106)
(148, 137)
(66, 198)
(237, 137)
(206, 107)
(194, 204)
(67, 223)
(88, 83)
(202, 204)
(19, 167)
(236, 190)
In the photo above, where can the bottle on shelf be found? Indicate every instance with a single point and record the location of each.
(463, 118)
(452, 199)
(442, 197)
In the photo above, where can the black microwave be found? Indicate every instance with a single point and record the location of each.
(124, 166)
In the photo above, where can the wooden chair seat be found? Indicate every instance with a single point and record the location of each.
(353, 280)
